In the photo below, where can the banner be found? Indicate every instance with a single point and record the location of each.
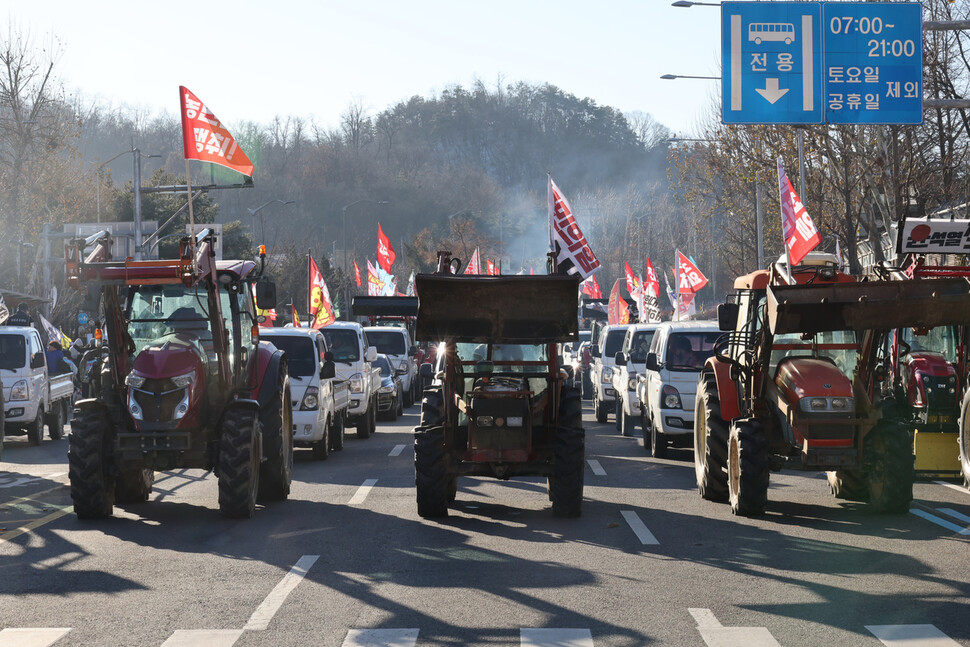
(617, 311)
(385, 253)
(204, 138)
(474, 265)
(573, 254)
(632, 281)
(321, 307)
(801, 236)
(490, 268)
(933, 236)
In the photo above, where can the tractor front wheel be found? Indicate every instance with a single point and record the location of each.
(889, 467)
(92, 486)
(747, 468)
(134, 485)
(848, 484)
(240, 452)
(432, 483)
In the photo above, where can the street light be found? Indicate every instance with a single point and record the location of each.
(262, 223)
(671, 77)
(136, 189)
(687, 4)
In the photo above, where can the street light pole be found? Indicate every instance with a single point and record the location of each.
(262, 223)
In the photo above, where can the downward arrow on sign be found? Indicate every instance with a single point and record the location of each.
(771, 92)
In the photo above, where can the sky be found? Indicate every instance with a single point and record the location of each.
(252, 61)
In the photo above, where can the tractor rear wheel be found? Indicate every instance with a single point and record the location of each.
(747, 468)
(432, 408)
(134, 485)
(431, 480)
(569, 463)
(848, 484)
(889, 467)
(276, 422)
(335, 434)
(35, 430)
(710, 441)
(964, 438)
(240, 454)
(92, 487)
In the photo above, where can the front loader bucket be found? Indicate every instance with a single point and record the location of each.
(371, 306)
(510, 309)
(870, 305)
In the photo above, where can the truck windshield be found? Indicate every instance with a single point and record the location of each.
(343, 343)
(389, 342)
(300, 353)
(614, 342)
(13, 351)
(687, 351)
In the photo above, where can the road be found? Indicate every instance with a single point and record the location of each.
(346, 561)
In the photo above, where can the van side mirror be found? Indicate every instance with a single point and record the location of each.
(37, 360)
(328, 370)
(371, 354)
(328, 356)
(619, 359)
(265, 295)
(594, 351)
(413, 350)
(727, 316)
(652, 363)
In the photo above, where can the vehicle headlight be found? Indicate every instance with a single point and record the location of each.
(841, 404)
(952, 379)
(20, 390)
(607, 373)
(182, 381)
(134, 380)
(311, 399)
(357, 383)
(386, 389)
(484, 421)
(670, 397)
(631, 383)
(926, 378)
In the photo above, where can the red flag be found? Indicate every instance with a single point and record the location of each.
(204, 138)
(801, 236)
(357, 273)
(617, 311)
(296, 316)
(385, 253)
(474, 265)
(321, 308)
(651, 281)
(632, 282)
(490, 268)
(573, 254)
(691, 280)
(591, 288)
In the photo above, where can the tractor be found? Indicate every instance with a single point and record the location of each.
(799, 381)
(499, 405)
(182, 380)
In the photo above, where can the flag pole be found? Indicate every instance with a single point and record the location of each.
(188, 187)
(551, 200)
(677, 281)
(784, 241)
(308, 288)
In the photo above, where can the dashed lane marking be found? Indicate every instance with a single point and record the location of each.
(31, 637)
(203, 638)
(911, 636)
(397, 450)
(638, 528)
(949, 525)
(555, 638)
(596, 467)
(381, 638)
(265, 611)
(362, 492)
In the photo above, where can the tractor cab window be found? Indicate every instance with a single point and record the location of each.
(943, 340)
(839, 346)
(155, 311)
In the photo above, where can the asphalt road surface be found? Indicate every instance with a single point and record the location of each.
(347, 562)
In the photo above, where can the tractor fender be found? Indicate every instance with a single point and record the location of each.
(727, 389)
(269, 363)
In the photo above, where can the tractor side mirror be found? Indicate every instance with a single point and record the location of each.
(328, 370)
(265, 295)
(727, 316)
(619, 359)
(652, 363)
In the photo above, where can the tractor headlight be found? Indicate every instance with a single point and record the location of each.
(311, 399)
(181, 381)
(135, 381)
(840, 404)
(485, 421)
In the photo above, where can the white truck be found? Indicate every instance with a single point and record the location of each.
(32, 396)
(601, 373)
(320, 399)
(629, 362)
(395, 342)
(354, 358)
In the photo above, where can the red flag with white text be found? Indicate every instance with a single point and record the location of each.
(650, 281)
(801, 235)
(632, 280)
(296, 316)
(357, 273)
(617, 311)
(204, 138)
(321, 308)
(690, 279)
(591, 288)
(573, 254)
(474, 265)
(490, 268)
(385, 253)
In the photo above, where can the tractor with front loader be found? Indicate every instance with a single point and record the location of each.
(801, 381)
(499, 405)
(182, 380)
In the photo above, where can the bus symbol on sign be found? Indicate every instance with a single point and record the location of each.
(771, 31)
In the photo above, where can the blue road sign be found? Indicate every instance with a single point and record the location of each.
(873, 62)
(82, 318)
(771, 68)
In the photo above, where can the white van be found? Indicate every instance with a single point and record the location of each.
(668, 388)
(604, 397)
(630, 362)
(395, 342)
(354, 357)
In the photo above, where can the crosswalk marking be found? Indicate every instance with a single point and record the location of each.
(397, 450)
(638, 528)
(381, 638)
(265, 611)
(596, 467)
(911, 636)
(949, 525)
(363, 491)
(203, 638)
(555, 638)
(31, 637)
(704, 617)
(717, 635)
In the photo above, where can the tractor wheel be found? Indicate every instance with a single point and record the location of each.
(658, 442)
(92, 487)
(35, 430)
(569, 464)
(747, 468)
(336, 432)
(710, 441)
(240, 454)
(848, 484)
(134, 485)
(55, 421)
(276, 423)
(599, 409)
(964, 438)
(889, 467)
(431, 480)
(627, 424)
(432, 408)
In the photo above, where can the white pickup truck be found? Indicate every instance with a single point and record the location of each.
(320, 399)
(354, 358)
(32, 397)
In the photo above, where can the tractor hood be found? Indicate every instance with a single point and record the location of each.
(169, 356)
(808, 377)
(929, 363)
(868, 305)
(498, 309)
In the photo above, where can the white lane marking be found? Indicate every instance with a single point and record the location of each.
(15, 637)
(952, 486)
(265, 611)
(397, 450)
(203, 638)
(638, 528)
(704, 618)
(596, 467)
(950, 512)
(940, 522)
(555, 638)
(362, 492)
(381, 638)
(911, 636)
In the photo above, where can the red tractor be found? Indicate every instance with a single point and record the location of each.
(185, 382)
(801, 381)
